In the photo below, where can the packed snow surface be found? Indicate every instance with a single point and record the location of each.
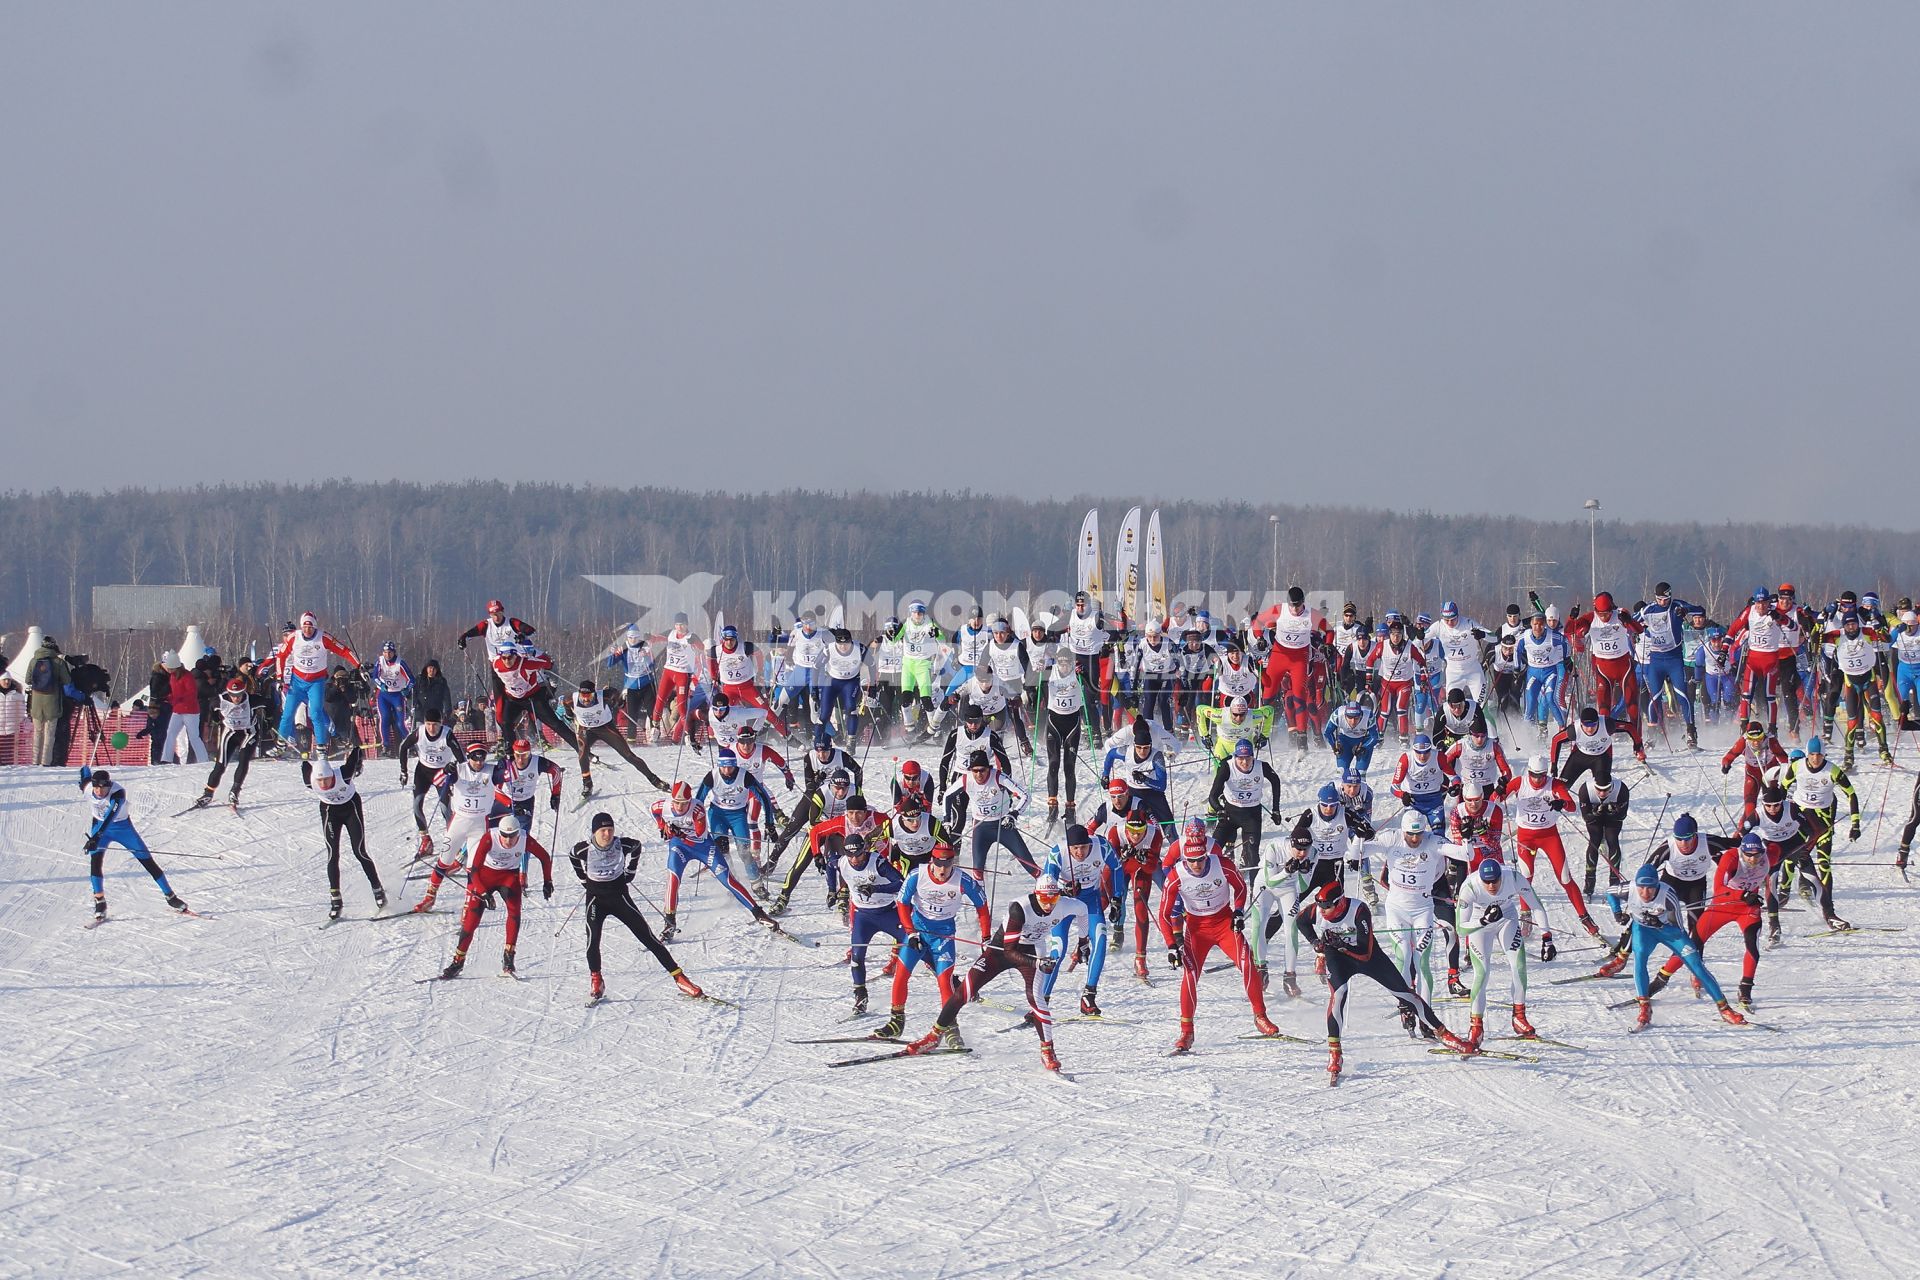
(250, 1093)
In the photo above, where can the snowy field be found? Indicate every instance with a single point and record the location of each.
(250, 1094)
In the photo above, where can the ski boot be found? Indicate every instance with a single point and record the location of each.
(1184, 1041)
(1455, 1043)
(1834, 923)
(1730, 1015)
(1521, 1027)
(1640, 754)
(426, 903)
(1333, 1060)
(1693, 736)
(1900, 859)
(686, 985)
(1476, 1029)
(379, 898)
(1261, 969)
(1658, 984)
(206, 798)
(779, 907)
(586, 786)
(1746, 993)
(1089, 1004)
(596, 988)
(1586, 922)
(1645, 1017)
(506, 961)
(1290, 984)
(424, 847)
(1410, 1024)
(1053, 816)
(669, 926)
(859, 999)
(333, 907)
(1454, 986)
(454, 967)
(895, 1024)
(1139, 964)
(1611, 965)
(178, 903)
(1586, 888)
(99, 906)
(233, 802)
(938, 1038)
(1773, 931)
(1049, 1057)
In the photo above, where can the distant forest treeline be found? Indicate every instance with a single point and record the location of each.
(391, 554)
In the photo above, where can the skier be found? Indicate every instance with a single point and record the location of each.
(1065, 700)
(633, 657)
(593, 723)
(1352, 733)
(1859, 655)
(1462, 644)
(1156, 666)
(911, 832)
(301, 661)
(1085, 867)
(1421, 779)
(1659, 918)
(341, 812)
(994, 802)
(1545, 653)
(1408, 868)
(1237, 796)
(1341, 931)
(1785, 840)
(1223, 728)
(239, 737)
(1604, 809)
(1212, 900)
(606, 864)
(920, 642)
(112, 823)
(392, 684)
(438, 753)
(498, 862)
(729, 791)
(930, 902)
(1032, 921)
(1397, 662)
(1287, 663)
(1136, 841)
(469, 784)
(516, 784)
(1811, 785)
(1762, 626)
(1609, 634)
(841, 666)
(1588, 743)
(525, 679)
(1455, 719)
(1666, 667)
(1538, 799)
(873, 883)
(1489, 910)
(1478, 758)
(1758, 751)
(733, 663)
(1087, 640)
(681, 661)
(683, 822)
(970, 735)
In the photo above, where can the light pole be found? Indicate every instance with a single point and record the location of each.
(1593, 555)
(1273, 523)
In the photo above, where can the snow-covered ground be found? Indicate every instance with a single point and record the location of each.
(250, 1094)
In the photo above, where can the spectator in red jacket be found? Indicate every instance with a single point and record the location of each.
(183, 698)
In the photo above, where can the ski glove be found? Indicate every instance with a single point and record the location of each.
(1045, 964)
(1173, 954)
(546, 890)
(555, 805)
(1083, 950)
(1295, 865)
(1492, 915)
(1853, 832)
(1725, 769)
(1239, 921)
(1547, 950)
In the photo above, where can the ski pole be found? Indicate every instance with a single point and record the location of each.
(569, 920)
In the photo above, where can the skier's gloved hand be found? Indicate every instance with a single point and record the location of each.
(1273, 816)
(1353, 864)
(1046, 964)
(1751, 897)
(546, 890)
(1295, 865)
(486, 900)
(1547, 950)
(1239, 920)
(1083, 950)
(1117, 912)
(554, 804)
(1173, 954)
(463, 642)
(1725, 769)
(1492, 915)
(1557, 805)
(1853, 832)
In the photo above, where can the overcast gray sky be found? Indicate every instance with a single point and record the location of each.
(1668, 254)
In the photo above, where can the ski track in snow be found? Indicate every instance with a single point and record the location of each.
(250, 1093)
